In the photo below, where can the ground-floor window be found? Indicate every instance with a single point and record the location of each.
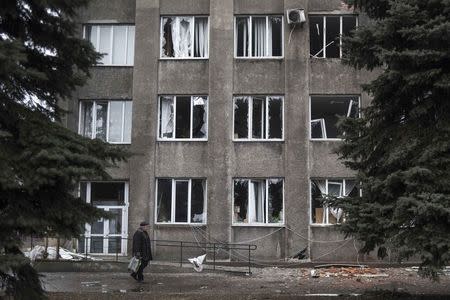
(106, 236)
(320, 188)
(181, 201)
(258, 201)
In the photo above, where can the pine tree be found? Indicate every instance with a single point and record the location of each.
(42, 61)
(400, 147)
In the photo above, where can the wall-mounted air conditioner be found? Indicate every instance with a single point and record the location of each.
(295, 16)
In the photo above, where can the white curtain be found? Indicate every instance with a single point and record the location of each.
(166, 117)
(201, 37)
(256, 202)
(181, 36)
(259, 36)
(335, 189)
(322, 185)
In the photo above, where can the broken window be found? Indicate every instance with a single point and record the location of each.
(325, 34)
(320, 188)
(258, 118)
(258, 201)
(181, 201)
(184, 37)
(259, 36)
(326, 111)
(115, 42)
(109, 121)
(183, 117)
(106, 236)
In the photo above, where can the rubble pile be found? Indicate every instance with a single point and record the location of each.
(38, 252)
(347, 272)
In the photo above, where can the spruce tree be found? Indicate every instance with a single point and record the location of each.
(400, 147)
(42, 61)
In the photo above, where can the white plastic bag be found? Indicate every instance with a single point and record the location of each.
(134, 264)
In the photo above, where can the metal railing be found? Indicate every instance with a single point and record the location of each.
(214, 248)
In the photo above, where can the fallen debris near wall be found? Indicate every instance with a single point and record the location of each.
(334, 271)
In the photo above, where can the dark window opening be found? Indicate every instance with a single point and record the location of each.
(181, 201)
(275, 118)
(332, 45)
(164, 200)
(183, 117)
(241, 118)
(107, 193)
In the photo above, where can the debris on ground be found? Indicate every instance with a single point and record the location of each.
(38, 252)
(347, 272)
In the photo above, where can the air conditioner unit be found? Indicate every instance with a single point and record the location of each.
(295, 16)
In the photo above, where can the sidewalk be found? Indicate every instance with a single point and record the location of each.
(171, 282)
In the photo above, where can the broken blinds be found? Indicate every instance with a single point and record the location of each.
(183, 117)
(325, 34)
(184, 37)
(326, 111)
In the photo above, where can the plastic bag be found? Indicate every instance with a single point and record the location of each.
(134, 264)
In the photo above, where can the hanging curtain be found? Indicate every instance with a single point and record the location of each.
(335, 189)
(251, 203)
(259, 36)
(322, 185)
(166, 118)
(260, 194)
(201, 37)
(168, 38)
(247, 43)
(269, 38)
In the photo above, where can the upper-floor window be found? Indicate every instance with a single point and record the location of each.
(326, 111)
(258, 201)
(180, 200)
(184, 37)
(183, 117)
(258, 118)
(320, 189)
(115, 42)
(325, 34)
(109, 121)
(259, 36)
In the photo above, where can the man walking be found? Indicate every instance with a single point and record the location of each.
(142, 249)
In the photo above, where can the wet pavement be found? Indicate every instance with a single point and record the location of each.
(172, 282)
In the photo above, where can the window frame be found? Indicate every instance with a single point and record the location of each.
(112, 25)
(174, 180)
(324, 16)
(311, 120)
(161, 27)
(94, 118)
(251, 36)
(258, 224)
(174, 139)
(326, 212)
(250, 120)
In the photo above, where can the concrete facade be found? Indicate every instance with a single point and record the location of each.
(297, 159)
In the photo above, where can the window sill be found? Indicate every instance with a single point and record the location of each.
(278, 225)
(277, 58)
(181, 140)
(182, 58)
(326, 140)
(322, 225)
(182, 225)
(258, 141)
(325, 58)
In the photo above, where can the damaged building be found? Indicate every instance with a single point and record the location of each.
(230, 111)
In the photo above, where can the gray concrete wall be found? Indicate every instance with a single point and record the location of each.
(219, 160)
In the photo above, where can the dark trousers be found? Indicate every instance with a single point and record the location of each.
(140, 271)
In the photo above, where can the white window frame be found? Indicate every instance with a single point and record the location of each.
(110, 64)
(94, 120)
(161, 34)
(265, 223)
(173, 202)
(324, 45)
(324, 133)
(326, 212)
(250, 120)
(124, 233)
(251, 37)
(190, 139)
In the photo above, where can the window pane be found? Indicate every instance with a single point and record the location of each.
(351, 189)
(167, 39)
(240, 201)
(177, 39)
(275, 36)
(82, 245)
(115, 121)
(164, 201)
(181, 201)
(257, 201)
(130, 50)
(96, 244)
(86, 118)
(105, 44)
(259, 36)
(259, 118)
(197, 200)
(115, 223)
(83, 191)
(199, 118)
(275, 200)
(166, 117)
(183, 117)
(91, 35)
(97, 227)
(241, 118)
(316, 36)
(127, 124)
(108, 193)
(114, 245)
(119, 45)
(201, 37)
(275, 118)
(242, 25)
(101, 114)
(335, 188)
(332, 37)
(348, 24)
(318, 187)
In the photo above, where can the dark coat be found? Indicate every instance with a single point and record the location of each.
(141, 245)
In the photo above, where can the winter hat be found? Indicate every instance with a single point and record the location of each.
(144, 223)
